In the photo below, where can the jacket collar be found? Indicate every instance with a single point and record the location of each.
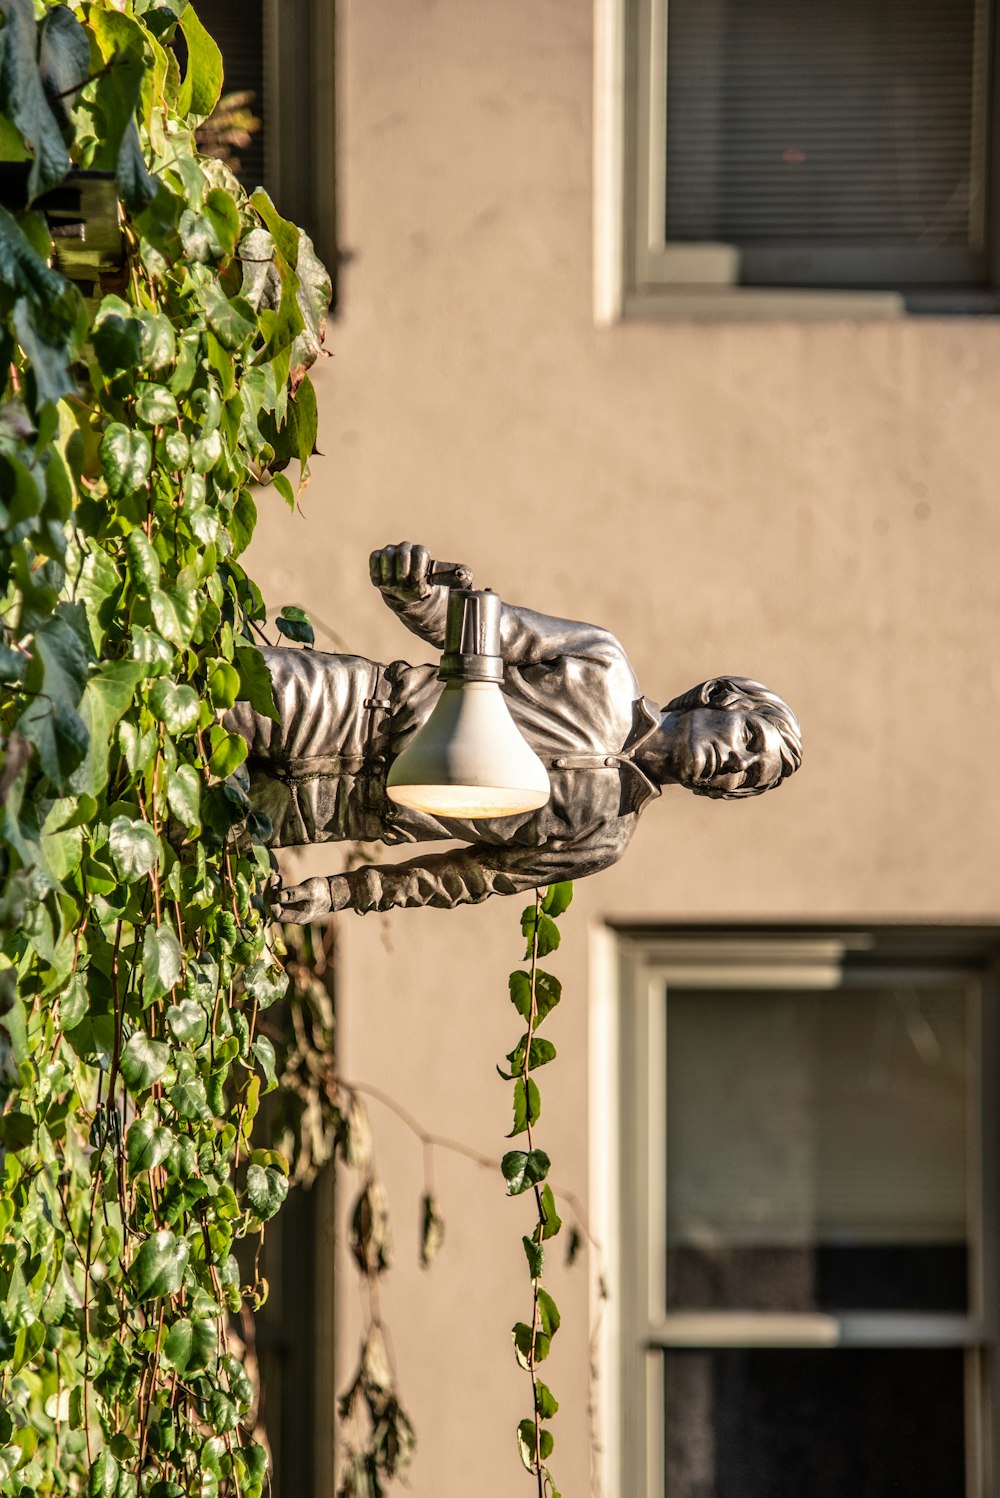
(637, 788)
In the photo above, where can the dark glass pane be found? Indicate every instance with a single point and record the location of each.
(817, 1149)
(843, 1423)
(801, 122)
(239, 32)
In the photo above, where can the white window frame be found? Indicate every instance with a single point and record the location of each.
(632, 976)
(636, 272)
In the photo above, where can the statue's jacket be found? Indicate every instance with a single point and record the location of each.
(319, 773)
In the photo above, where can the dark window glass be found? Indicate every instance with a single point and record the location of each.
(239, 32)
(831, 143)
(817, 1149)
(839, 1423)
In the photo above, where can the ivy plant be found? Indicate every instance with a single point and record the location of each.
(153, 374)
(534, 994)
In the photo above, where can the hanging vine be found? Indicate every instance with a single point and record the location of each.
(153, 372)
(534, 994)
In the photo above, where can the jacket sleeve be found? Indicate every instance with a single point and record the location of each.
(526, 638)
(465, 876)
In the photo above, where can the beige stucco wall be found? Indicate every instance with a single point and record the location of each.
(814, 505)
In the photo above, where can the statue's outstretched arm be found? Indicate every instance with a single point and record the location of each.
(464, 876)
(401, 574)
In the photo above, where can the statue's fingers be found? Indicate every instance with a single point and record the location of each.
(404, 552)
(387, 564)
(293, 915)
(375, 567)
(420, 564)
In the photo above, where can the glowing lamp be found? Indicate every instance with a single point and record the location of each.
(469, 759)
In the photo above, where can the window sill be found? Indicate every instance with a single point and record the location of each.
(754, 304)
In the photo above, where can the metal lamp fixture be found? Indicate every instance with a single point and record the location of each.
(469, 759)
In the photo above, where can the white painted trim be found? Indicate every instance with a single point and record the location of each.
(609, 161)
(604, 1154)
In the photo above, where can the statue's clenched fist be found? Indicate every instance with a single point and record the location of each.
(402, 571)
(309, 901)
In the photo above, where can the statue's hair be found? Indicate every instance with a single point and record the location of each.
(739, 692)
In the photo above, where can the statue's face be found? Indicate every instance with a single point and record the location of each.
(722, 751)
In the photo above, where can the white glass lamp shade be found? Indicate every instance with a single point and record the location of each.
(469, 760)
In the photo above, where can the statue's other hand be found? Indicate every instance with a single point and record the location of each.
(401, 571)
(309, 901)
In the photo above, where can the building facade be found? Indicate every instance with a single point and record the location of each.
(772, 1098)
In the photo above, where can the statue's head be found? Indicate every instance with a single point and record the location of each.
(731, 737)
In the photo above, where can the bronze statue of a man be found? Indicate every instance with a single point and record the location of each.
(319, 774)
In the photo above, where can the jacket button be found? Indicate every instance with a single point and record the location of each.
(610, 761)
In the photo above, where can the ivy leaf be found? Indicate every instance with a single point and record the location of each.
(232, 320)
(151, 650)
(178, 1345)
(155, 405)
(526, 1445)
(143, 562)
(540, 1054)
(189, 1099)
(547, 939)
(558, 898)
(23, 98)
(16, 1130)
(284, 234)
(176, 706)
(548, 1313)
(545, 1401)
(266, 1190)
(184, 795)
(74, 1001)
(522, 1337)
(143, 1061)
(161, 962)
(535, 1255)
(106, 697)
(223, 685)
(159, 1265)
(255, 680)
(134, 846)
(126, 458)
(206, 452)
(199, 92)
(96, 589)
(523, 1169)
(57, 674)
(431, 1230)
(187, 1022)
(265, 984)
(527, 1106)
(221, 210)
(284, 488)
(116, 337)
(553, 1222)
(226, 752)
(146, 1145)
(294, 624)
(103, 1479)
(175, 613)
(548, 992)
(157, 344)
(263, 1050)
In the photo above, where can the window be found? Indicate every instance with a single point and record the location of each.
(806, 1246)
(797, 155)
(282, 53)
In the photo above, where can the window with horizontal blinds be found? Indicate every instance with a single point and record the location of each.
(239, 32)
(831, 142)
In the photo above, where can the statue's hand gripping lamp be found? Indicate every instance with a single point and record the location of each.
(469, 759)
